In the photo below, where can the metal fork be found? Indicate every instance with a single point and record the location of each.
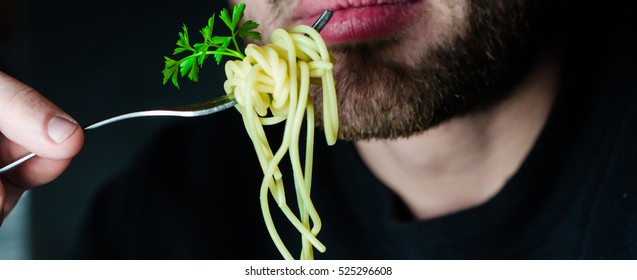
(191, 110)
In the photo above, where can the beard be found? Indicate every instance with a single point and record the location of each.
(475, 68)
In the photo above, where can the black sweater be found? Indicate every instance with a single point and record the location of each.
(194, 195)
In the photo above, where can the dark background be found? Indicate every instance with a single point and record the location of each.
(94, 60)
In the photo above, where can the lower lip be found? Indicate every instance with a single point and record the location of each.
(366, 23)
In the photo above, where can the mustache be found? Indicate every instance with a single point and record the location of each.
(281, 8)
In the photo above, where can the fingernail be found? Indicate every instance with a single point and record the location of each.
(61, 128)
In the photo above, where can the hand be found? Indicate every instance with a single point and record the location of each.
(31, 123)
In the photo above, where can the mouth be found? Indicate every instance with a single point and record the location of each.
(360, 20)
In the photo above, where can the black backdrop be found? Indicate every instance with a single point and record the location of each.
(96, 59)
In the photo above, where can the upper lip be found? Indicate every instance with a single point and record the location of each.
(312, 8)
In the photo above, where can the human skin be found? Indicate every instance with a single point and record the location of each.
(471, 127)
(29, 122)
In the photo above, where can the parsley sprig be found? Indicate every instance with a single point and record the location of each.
(217, 46)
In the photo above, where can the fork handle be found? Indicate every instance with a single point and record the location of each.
(193, 110)
(227, 103)
(17, 162)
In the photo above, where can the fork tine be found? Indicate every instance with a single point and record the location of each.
(192, 110)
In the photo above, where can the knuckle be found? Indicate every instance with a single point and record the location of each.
(22, 96)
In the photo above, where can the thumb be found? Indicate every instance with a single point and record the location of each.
(33, 122)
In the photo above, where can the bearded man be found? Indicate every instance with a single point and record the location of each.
(469, 129)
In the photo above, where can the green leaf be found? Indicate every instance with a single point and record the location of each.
(226, 18)
(190, 64)
(170, 71)
(206, 32)
(245, 30)
(201, 49)
(237, 14)
(219, 40)
(188, 67)
(224, 45)
(179, 50)
(184, 41)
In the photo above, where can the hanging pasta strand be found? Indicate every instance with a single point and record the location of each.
(271, 85)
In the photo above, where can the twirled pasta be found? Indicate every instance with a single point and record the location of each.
(275, 78)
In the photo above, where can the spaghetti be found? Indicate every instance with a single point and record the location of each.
(271, 85)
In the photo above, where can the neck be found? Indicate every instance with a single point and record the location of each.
(465, 161)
